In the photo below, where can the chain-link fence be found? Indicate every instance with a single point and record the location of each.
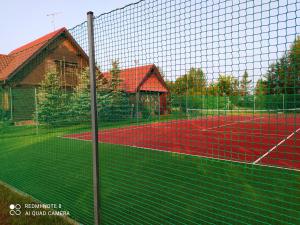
(198, 105)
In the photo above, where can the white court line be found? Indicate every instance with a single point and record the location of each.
(228, 124)
(158, 124)
(276, 146)
(198, 156)
(250, 134)
(161, 124)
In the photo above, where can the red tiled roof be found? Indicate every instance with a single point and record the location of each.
(16, 58)
(140, 78)
(4, 61)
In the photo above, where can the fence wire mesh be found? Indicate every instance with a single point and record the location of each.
(44, 96)
(198, 105)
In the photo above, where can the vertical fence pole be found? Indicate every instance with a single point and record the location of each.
(186, 96)
(137, 97)
(283, 107)
(158, 95)
(36, 111)
(92, 68)
(11, 103)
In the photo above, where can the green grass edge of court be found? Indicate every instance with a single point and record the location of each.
(144, 186)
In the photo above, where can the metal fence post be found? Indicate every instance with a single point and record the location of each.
(36, 111)
(92, 70)
(11, 104)
(158, 105)
(283, 106)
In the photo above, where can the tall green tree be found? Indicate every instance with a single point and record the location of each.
(261, 87)
(81, 98)
(114, 104)
(283, 76)
(245, 84)
(52, 101)
(212, 89)
(227, 85)
(193, 82)
(115, 81)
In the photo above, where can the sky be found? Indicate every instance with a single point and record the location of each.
(221, 37)
(24, 21)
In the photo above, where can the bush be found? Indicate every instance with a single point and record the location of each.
(4, 115)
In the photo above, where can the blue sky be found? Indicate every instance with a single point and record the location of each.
(221, 37)
(24, 21)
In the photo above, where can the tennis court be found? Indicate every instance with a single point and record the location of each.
(269, 138)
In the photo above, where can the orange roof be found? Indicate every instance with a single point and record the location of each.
(4, 61)
(16, 58)
(142, 78)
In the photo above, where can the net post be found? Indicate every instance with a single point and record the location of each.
(92, 71)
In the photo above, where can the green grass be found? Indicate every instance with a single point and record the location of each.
(141, 186)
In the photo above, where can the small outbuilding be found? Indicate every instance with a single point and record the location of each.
(145, 86)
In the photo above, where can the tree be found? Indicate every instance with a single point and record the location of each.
(115, 81)
(260, 94)
(193, 83)
(283, 76)
(81, 98)
(292, 74)
(114, 103)
(51, 100)
(227, 85)
(245, 84)
(261, 87)
(212, 89)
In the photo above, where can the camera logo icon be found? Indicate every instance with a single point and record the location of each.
(15, 209)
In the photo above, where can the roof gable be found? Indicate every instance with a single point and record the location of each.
(22, 55)
(146, 78)
(153, 84)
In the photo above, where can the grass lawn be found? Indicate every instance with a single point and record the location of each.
(9, 196)
(141, 186)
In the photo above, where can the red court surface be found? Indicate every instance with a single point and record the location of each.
(261, 140)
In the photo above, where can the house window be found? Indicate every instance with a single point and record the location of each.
(5, 101)
(68, 72)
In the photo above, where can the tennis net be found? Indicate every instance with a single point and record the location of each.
(204, 113)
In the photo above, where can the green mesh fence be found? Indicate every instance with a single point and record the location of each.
(44, 97)
(199, 113)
